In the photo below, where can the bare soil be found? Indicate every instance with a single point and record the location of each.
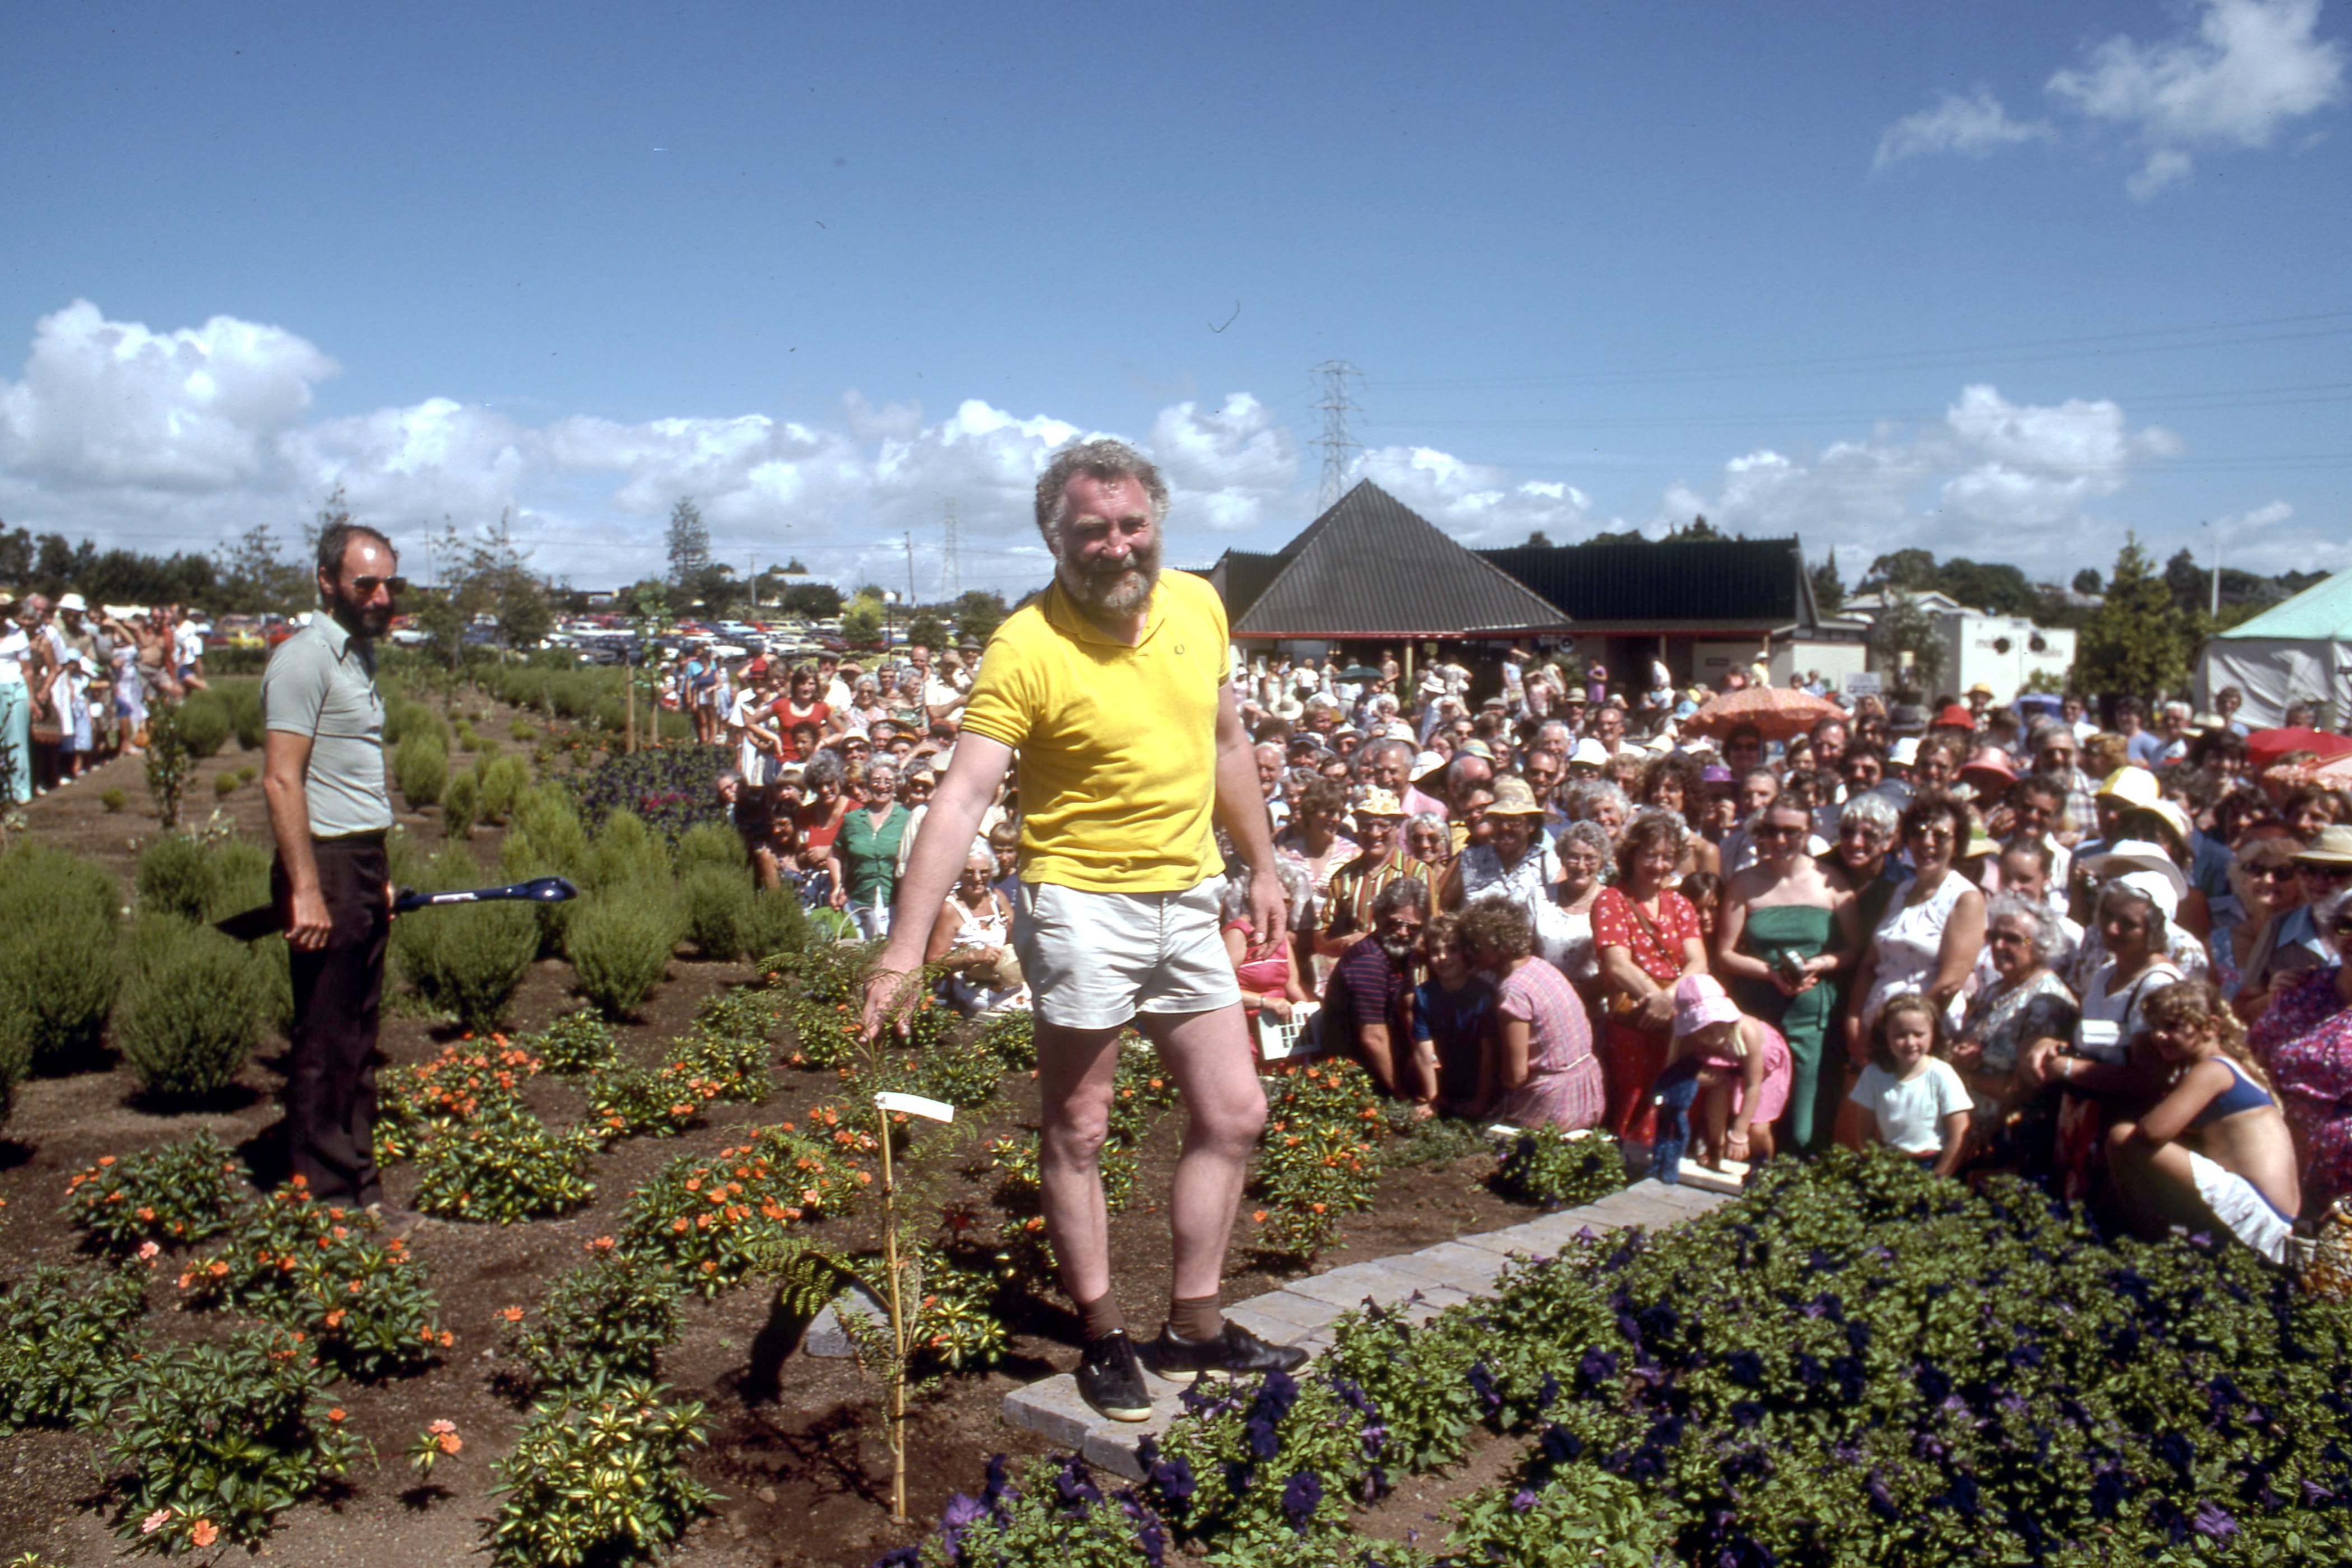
(796, 1443)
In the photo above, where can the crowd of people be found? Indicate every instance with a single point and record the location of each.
(2111, 958)
(76, 684)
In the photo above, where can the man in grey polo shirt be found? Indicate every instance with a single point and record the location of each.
(323, 777)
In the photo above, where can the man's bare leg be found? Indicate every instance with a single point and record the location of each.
(1074, 1069)
(1208, 1055)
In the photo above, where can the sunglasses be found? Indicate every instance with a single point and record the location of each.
(367, 586)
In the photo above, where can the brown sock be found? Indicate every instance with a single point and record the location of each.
(1195, 1318)
(1101, 1316)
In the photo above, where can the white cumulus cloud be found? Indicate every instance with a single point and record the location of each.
(1481, 505)
(1974, 127)
(2242, 72)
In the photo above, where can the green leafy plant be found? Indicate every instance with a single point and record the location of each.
(469, 1079)
(626, 1101)
(1559, 1169)
(114, 800)
(65, 1334)
(214, 1441)
(607, 1321)
(574, 1043)
(460, 801)
(505, 1168)
(705, 1219)
(319, 1269)
(171, 762)
(599, 1476)
(1013, 1038)
(1320, 1155)
(167, 1193)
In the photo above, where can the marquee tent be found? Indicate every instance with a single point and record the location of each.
(2300, 651)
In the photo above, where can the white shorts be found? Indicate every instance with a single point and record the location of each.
(1094, 961)
(2238, 1204)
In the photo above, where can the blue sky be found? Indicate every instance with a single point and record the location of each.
(2002, 280)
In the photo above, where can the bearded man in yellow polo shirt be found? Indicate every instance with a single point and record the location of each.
(1111, 690)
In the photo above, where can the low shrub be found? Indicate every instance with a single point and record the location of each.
(712, 844)
(1559, 1169)
(599, 1478)
(318, 1267)
(624, 853)
(57, 968)
(406, 718)
(498, 784)
(420, 769)
(241, 695)
(201, 880)
(717, 901)
(460, 799)
(606, 1321)
(467, 960)
(192, 1007)
(65, 1335)
(205, 724)
(216, 1440)
(521, 733)
(223, 785)
(114, 800)
(185, 1191)
(620, 949)
(505, 1168)
(169, 764)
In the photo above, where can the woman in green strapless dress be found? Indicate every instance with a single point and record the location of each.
(1781, 947)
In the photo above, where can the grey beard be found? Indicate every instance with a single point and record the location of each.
(1118, 590)
(1399, 952)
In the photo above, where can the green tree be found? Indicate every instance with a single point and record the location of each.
(1905, 627)
(1539, 540)
(861, 620)
(690, 544)
(978, 613)
(1829, 589)
(2138, 643)
(1912, 570)
(2088, 580)
(925, 629)
(255, 577)
(2189, 586)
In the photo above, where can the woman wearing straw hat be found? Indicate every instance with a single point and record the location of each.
(1517, 863)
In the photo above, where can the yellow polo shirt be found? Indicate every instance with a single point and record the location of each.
(1118, 745)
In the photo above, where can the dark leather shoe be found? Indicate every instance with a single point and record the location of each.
(1233, 1352)
(1110, 1379)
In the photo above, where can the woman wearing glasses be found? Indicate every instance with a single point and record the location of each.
(1787, 932)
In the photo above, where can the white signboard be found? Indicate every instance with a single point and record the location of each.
(1862, 684)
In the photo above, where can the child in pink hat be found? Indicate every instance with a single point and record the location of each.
(1742, 1066)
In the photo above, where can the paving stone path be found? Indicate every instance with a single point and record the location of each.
(1303, 1312)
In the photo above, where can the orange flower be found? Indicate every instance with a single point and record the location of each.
(447, 1339)
(1259, 1217)
(450, 1442)
(511, 1314)
(335, 1319)
(336, 1413)
(105, 1160)
(203, 1532)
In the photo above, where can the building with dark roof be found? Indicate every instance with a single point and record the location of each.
(1371, 568)
(1371, 571)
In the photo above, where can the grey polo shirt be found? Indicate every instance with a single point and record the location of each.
(321, 683)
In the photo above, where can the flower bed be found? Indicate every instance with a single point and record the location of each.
(1859, 1362)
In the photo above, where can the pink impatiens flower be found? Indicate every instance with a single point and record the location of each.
(155, 1521)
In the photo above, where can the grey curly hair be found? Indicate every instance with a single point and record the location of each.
(2040, 922)
(1101, 459)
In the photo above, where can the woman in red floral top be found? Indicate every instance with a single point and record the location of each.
(1648, 937)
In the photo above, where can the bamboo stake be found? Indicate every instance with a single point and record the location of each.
(898, 1327)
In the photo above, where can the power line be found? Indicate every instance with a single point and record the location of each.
(1337, 446)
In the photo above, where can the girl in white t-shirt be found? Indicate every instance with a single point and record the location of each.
(1917, 1098)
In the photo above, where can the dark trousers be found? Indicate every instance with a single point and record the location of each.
(338, 996)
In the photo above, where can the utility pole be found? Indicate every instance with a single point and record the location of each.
(1337, 443)
(2214, 607)
(950, 568)
(910, 538)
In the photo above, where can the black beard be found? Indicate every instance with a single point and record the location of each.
(1102, 589)
(365, 620)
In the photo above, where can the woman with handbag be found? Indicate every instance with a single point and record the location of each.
(1649, 937)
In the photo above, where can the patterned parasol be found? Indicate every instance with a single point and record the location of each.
(1779, 712)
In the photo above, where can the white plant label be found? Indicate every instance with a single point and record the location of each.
(916, 1105)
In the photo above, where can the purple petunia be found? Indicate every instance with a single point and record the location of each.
(1522, 1500)
(2213, 1521)
(1300, 1498)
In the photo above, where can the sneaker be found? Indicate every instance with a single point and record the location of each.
(1111, 1379)
(1233, 1352)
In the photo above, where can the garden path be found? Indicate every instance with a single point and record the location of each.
(1304, 1311)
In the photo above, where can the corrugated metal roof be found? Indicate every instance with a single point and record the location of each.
(1760, 582)
(1371, 566)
